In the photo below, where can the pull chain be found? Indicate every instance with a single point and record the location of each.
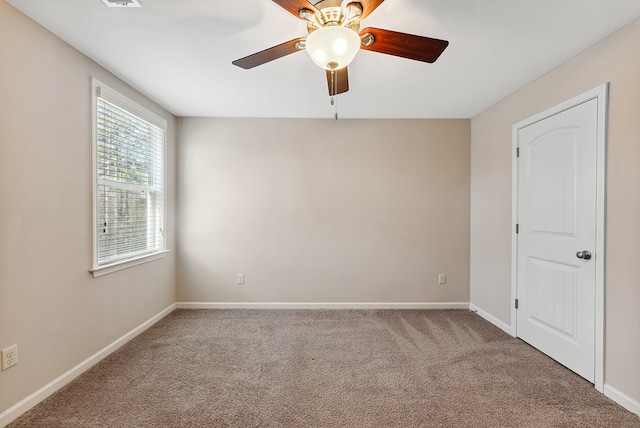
(334, 91)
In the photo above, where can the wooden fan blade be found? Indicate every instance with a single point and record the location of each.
(268, 55)
(294, 6)
(341, 83)
(408, 46)
(369, 6)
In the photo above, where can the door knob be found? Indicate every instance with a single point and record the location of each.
(585, 255)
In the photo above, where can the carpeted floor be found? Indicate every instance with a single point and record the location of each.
(374, 368)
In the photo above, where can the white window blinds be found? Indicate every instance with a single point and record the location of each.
(129, 182)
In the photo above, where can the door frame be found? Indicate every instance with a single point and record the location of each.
(601, 94)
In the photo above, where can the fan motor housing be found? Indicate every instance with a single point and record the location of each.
(332, 13)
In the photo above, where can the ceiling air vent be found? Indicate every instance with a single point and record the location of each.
(122, 3)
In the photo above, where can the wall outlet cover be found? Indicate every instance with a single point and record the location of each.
(9, 357)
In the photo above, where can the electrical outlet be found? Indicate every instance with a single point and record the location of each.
(9, 357)
(240, 278)
(442, 278)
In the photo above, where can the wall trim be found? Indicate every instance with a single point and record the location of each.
(622, 399)
(321, 305)
(40, 395)
(493, 320)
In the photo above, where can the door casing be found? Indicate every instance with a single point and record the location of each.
(600, 93)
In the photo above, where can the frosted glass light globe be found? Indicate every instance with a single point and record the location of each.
(334, 47)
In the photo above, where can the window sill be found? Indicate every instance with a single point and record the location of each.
(115, 267)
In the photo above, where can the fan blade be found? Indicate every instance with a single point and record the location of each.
(270, 54)
(294, 6)
(408, 46)
(369, 6)
(341, 83)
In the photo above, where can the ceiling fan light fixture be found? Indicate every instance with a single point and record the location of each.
(333, 47)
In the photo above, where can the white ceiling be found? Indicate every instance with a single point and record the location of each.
(179, 53)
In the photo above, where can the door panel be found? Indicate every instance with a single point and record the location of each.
(553, 178)
(552, 288)
(557, 219)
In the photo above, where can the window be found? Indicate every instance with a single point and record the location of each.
(128, 182)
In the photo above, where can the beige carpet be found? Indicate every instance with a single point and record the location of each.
(379, 368)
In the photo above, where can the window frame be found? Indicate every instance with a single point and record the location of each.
(101, 90)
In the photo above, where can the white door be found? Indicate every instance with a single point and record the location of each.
(556, 241)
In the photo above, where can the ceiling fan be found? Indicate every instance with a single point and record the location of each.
(335, 37)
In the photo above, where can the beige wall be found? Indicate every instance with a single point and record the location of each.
(323, 211)
(615, 60)
(49, 304)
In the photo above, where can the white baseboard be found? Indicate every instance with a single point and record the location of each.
(493, 320)
(325, 305)
(32, 400)
(622, 399)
